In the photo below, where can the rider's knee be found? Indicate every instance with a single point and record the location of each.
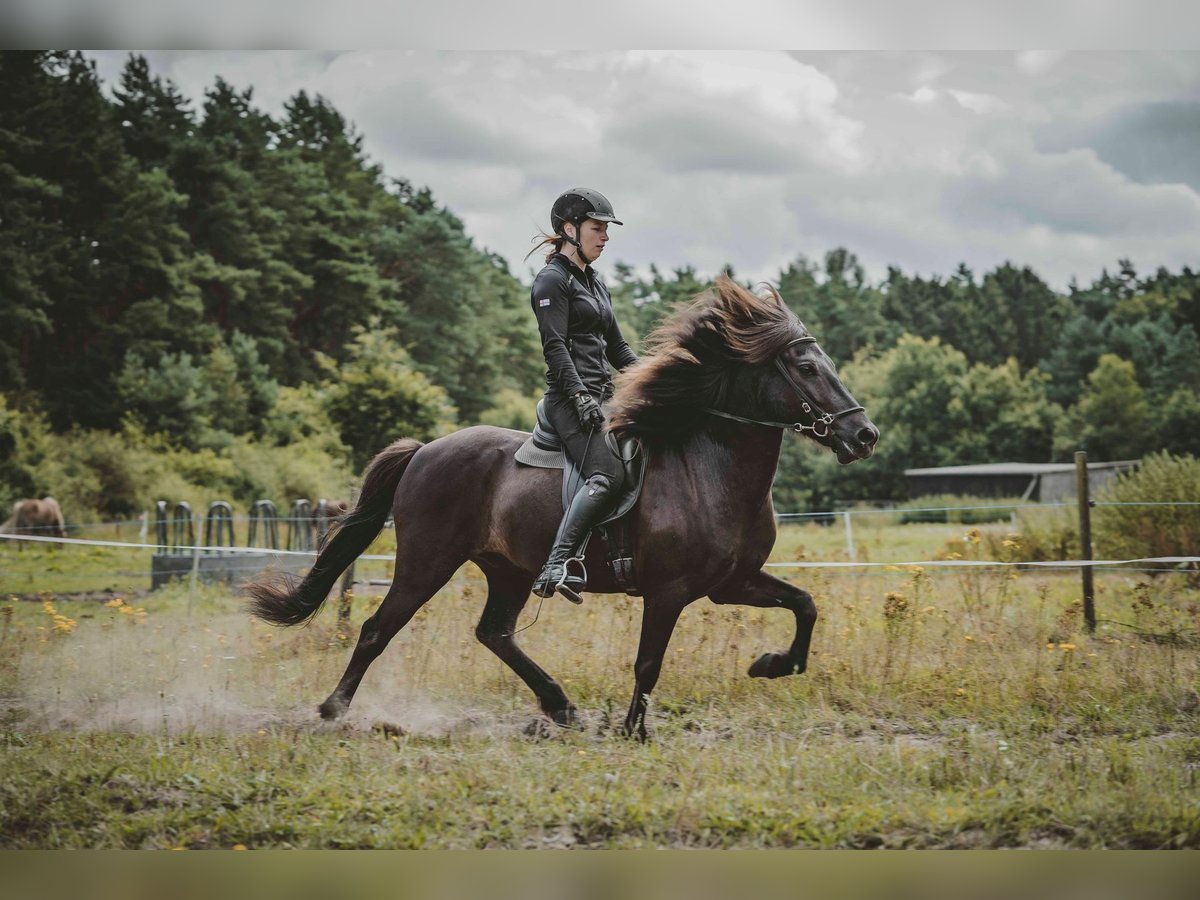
(602, 484)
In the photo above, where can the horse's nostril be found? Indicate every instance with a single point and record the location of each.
(867, 435)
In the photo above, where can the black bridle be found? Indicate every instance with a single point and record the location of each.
(821, 420)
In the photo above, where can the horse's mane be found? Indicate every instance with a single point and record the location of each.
(691, 357)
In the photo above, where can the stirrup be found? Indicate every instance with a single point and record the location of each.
(569, 592)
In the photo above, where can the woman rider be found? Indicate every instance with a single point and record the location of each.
(580, 339)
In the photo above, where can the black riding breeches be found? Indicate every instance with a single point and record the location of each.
(589, 451)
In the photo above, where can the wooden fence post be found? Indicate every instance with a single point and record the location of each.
(1085, 538)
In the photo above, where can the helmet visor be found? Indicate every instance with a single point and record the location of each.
(604, 217)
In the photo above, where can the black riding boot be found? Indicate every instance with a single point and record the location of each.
(589, 506)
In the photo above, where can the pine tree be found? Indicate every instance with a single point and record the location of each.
(30, 237)
(155, 117)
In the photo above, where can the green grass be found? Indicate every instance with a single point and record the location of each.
(939, 710)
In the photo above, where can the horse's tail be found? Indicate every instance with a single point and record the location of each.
(279, 599)
(9, 525)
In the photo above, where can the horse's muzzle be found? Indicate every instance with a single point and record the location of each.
(858, 446)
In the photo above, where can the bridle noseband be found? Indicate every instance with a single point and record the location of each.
(821, 420)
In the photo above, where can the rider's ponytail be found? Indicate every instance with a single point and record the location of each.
(554, 241)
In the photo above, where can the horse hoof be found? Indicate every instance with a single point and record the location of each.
(331, 709)
(566, 718)
(633, 732)
(772, 665)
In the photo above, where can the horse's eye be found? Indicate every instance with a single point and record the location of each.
(807, 369)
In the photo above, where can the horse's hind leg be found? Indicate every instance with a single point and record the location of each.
(508, 592)
(410, 590)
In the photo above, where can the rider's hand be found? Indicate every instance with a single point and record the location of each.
(587, 409)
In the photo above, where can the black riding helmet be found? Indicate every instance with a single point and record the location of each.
(576, 205)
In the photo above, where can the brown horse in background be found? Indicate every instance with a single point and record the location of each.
(724, 377)
(36, 517)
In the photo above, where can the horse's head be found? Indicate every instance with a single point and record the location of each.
(732, 353)
(807, 386)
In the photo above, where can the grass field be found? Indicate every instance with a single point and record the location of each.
(939, 710)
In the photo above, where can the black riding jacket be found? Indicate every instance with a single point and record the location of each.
(580, 336)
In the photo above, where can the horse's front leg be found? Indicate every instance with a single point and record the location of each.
(659, 615)
(769, 592)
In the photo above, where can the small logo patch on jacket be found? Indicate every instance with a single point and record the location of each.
(544, 301)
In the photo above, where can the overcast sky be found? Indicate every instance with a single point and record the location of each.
(1065, 162)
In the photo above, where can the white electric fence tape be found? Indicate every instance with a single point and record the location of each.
(924, 563)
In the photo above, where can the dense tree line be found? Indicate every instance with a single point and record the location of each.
(184, 264)
(209, 281)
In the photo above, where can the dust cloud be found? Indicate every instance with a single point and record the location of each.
(218, 675)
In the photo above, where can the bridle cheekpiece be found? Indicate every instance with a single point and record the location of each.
(821, 420)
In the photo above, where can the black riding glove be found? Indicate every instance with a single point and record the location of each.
(587, 410)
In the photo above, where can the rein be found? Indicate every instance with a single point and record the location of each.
(821, 420)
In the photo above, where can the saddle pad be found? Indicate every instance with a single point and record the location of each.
(530, 454)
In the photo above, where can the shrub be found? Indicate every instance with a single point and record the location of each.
(94, 474)
(1132, 532)
(512, 409)
(378, 396)
(1047, 533)
(106, 475)
(285, 474)
(962, 509)
(199, 402)
(17, 432)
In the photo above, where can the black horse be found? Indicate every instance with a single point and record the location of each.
(723, 378)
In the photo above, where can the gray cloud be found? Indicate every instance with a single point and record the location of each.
(922, 160)
(1152, 143)
(1072, 192)
(414, 120)
(686, 141)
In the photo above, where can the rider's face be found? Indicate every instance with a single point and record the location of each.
(593, 236)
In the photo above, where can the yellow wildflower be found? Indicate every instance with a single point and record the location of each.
(895, 606)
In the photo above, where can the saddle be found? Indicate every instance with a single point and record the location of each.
(544, 450)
